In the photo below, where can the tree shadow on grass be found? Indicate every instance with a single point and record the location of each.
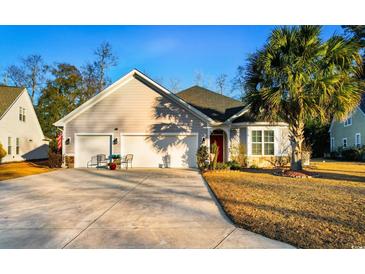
(301, 213)
(318, 174)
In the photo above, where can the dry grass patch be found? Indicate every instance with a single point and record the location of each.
(325, 212)
(20, 169)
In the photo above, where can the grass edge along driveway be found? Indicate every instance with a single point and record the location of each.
(19, 169)
(325, 212)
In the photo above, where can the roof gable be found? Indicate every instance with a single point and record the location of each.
(8, 95)
(361, 106)
(218, 107)
(137, 75)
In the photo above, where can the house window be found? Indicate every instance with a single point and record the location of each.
(344, 142)
(269, 142)
(9, 145)
(332, 144)
(348, 122)
(17, 146)
(20, 114)
(256, 142)
(358, 140)
(266, 146)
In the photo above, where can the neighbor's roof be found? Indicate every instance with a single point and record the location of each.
(214, 105)
(8, 96)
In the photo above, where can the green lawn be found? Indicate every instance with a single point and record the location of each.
(324, 212)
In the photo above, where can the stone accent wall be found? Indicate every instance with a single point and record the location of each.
(266, 161)
(69, 161)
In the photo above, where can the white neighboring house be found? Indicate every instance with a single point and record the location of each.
(20, 132)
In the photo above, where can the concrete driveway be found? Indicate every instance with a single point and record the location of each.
(88, 208)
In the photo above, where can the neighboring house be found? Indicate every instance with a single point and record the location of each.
(350, 132)
(20, 132)
(137, 115)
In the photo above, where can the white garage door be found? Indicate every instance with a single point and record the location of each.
(161, 150)
(87, 146)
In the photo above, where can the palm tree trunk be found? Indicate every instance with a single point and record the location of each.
(296, 140)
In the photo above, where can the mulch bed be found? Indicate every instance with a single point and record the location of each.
(295, 174)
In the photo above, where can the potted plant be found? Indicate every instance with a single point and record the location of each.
(112, 166)
(116, 159)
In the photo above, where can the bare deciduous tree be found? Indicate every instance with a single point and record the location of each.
(174, 84)
(160, 80)
(30, 74)
(199, 78)
(89, 81)
(238, 82)
(221, 82)
(105, 59)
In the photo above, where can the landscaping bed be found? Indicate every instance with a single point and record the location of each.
(323, 212)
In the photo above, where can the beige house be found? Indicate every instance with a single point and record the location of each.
(350, 132)
(136, 115)
(20, 132)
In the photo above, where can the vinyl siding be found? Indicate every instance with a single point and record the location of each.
(133, 108)
(238, 136)
(31, 144)
(338, 131)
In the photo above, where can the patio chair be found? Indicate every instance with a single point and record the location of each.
(126, 160)
(99, 160)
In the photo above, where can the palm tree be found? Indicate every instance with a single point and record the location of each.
(296, 76)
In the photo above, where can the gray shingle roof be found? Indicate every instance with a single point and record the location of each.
(214, 105)
(7, 96)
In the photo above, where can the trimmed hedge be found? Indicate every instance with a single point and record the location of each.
(349, 154)
(54, 160)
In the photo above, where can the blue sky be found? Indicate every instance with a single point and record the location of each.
(163, 52)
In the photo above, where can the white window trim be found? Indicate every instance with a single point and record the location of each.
(262, 129)
(332, 144)
(20, 117)
(358, 144)
(343, 139)
(17, 146)
(262, 141)
(10, 145)
(348, 122)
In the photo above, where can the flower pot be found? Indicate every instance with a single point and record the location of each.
(112, 166)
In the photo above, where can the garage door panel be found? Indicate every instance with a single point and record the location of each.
(155, 150)
(91, 145)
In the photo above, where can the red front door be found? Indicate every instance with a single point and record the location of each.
(218, 138)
